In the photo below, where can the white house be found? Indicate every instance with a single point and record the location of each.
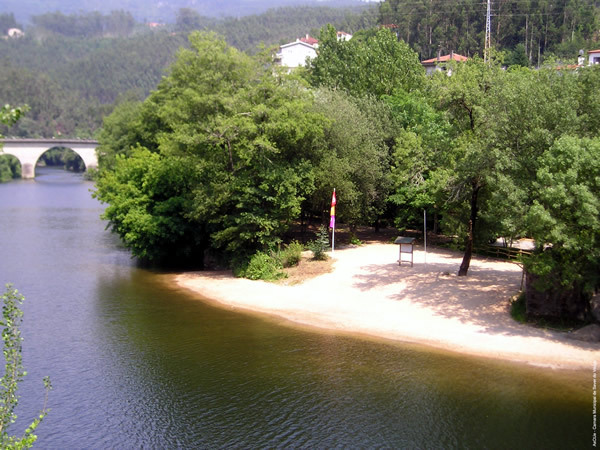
(439, 63)
(295, 53)
(15, 33)
(343, 36)
(593, 57)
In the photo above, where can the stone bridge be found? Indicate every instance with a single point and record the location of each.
(28, 151)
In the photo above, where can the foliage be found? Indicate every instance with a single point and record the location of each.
(354, 240)
(263, 266)
(93, 24)
(14, 373)
(64, 157)
(320, 245)
(377, 65)
(285, 24)
(352, 156)
(419, 157)
(235, 138)
(517, 57)
(291, 255)
(10, 115)
(7, 21)
(147, 196)
(439, 26)
(565, 213)
(9, 168)
(9, 165)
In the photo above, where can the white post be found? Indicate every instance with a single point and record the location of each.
(332, 239)
(425, 232)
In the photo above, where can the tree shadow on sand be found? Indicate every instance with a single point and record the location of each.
(481, 298)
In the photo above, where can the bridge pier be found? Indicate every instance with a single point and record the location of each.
(27, 170)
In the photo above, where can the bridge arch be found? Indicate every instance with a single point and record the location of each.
(28, 151)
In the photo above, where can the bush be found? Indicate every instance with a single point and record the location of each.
(263, 267)
(320, 245)
(354, 240)
(291, 255)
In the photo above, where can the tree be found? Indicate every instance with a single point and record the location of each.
(517, 57)
(564, 218)
(9, 167)
(14, 372)
(421, 158)
(464, 96)
(377, 65)
(220, 160)
(352, 157)
(7, 21)
(189, 19)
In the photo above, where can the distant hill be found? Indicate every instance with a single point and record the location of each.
(156, 10)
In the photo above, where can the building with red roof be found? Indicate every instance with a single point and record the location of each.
(593, 57)
(439, 63)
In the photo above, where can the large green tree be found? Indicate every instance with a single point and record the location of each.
(352, 157)
(564, 217)
(376, 64)
(219, 160)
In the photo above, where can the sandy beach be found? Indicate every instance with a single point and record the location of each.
(368, 293)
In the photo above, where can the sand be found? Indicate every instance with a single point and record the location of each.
(368, 293)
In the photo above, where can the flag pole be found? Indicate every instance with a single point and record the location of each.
(332, 221)
(333, 240)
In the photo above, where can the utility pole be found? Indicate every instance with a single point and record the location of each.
(488, 29)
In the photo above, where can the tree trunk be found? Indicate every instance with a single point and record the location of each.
(466, 262)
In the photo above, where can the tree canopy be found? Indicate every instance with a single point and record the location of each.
(230, 140)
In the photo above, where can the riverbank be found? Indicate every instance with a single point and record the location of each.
(368, 293)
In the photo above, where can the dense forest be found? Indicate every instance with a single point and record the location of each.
(158, 11)
(71, 76)
(532, 27)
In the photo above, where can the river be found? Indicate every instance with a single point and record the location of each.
(137, 363)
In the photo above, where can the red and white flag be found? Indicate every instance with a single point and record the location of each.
(332, 213)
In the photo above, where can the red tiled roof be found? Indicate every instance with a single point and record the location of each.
(594, 51)
(309, 40)
(445, 58)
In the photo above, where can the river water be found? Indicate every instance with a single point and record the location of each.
(136, 363)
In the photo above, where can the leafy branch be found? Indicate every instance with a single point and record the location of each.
(14, 372)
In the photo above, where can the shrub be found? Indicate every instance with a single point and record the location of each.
(354, 240)
(291, 255)
(320, 245)
(263, 267)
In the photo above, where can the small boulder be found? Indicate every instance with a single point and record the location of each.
(589, 333)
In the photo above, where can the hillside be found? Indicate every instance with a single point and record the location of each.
(155, 10)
